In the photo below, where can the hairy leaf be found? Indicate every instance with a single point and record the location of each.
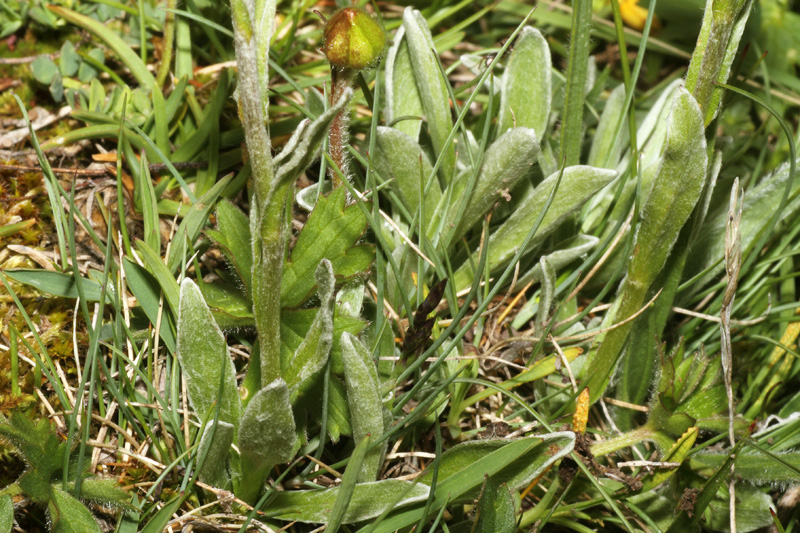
(368, 501)
(266, 436)
(674, 193)
(496, 510)
(6, 514)
(402, 96)
(578, 184)
(204, 358)
(233, 238)
(367, 414)
(525, 87)
(312, 354)
(399, 156)
(506, 162)
(431, 86)
(215, 446)
(68, 515)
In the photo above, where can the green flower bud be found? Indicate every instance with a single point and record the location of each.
(353, 39)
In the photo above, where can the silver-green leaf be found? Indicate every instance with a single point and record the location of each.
(431, 86)
(506, 162)
(525, 87)
(266, 436)
(578, 184)
(367, 413)
(312, 354)
(204, 358)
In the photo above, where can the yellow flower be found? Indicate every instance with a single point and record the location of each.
(633, 14)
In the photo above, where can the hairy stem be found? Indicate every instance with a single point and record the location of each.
(339, 134)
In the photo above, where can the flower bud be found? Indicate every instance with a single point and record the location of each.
(353, 39)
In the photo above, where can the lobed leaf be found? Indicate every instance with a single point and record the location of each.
(331, 232)
(233, 238)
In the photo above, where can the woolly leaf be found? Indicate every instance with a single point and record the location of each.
(368, 501)
(312, 354)
(525, 86)
(204, 358)
(366, 406)
(266, 436)
(506, 162)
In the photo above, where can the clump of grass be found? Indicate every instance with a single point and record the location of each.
(518, 246)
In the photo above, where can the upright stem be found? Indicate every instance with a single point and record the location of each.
(252, 24)
(169, 39)
(723, 24)
(339, 135)
(733, 262)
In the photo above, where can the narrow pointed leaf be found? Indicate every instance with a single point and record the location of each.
(368, 501)
(675, 191)
(508, 160)
(431, 86)
(578, 184)
(349, 480)
(312, 354)
(364, 400)
(463, 468)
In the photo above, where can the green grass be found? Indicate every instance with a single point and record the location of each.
(338, 381)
